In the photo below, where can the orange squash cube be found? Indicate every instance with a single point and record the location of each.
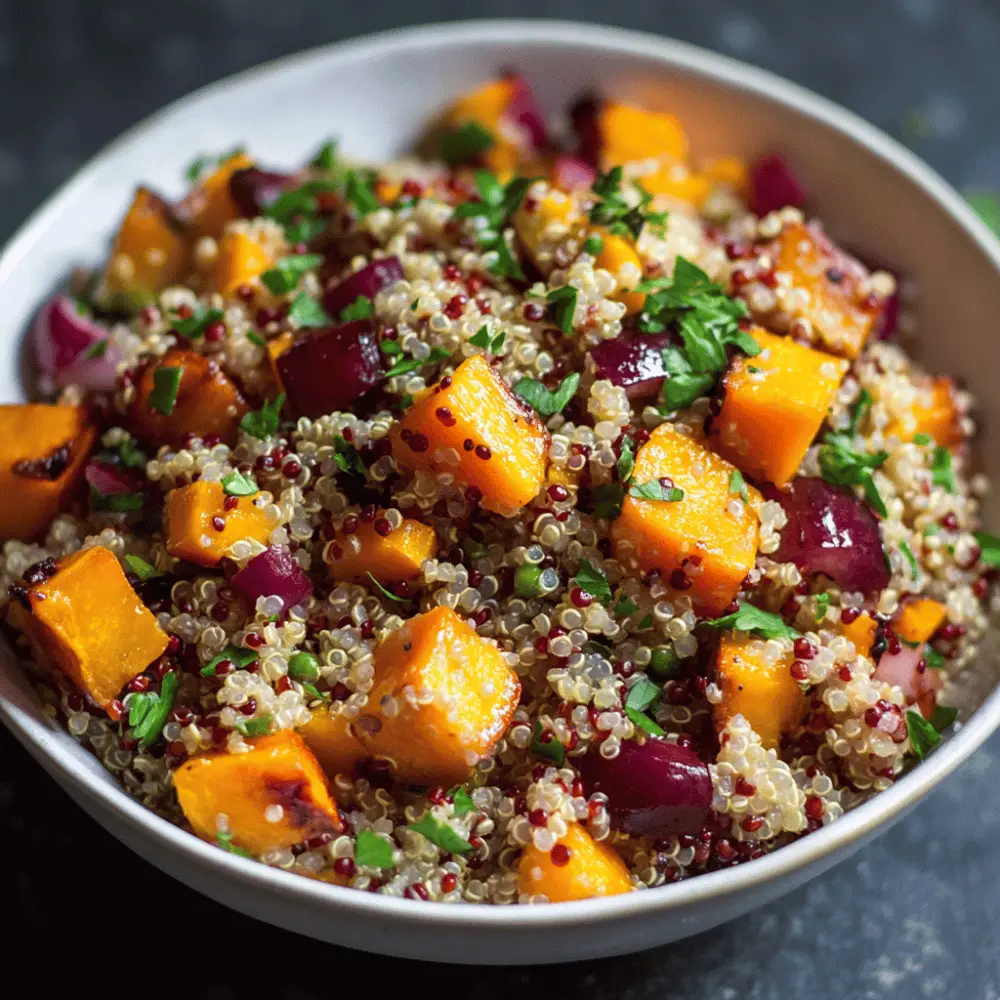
(389, 558)
(473, 426)
(87, 621)
(774, 406)
(703, 545)
(207, 402)
(835, 302)
(488, 106)
(918, 618)
(149, 253)
(333, 742)
(628, 134)
(862, 632)
(273, 797)
(44, 451)
(241, 261)
(210, 205)
(200, 527)
(616, 252)
(764, 693)
(935, 413)
(542, 223)
(442, 698)
(593, 869)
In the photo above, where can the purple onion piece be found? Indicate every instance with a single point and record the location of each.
(63, 338)
(773, 185)
(570, 173)
(524, 110)
(275, 572)
(109, 479)
(584, 115)
(633, 361)
(369, 281)
(655, 789)
(253, 189)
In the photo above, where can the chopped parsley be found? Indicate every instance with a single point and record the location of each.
(545, 402)
(607, 500)
(911, 559)
(923, 736)
(497, 203)
(372, 851)
(192, 327)
(236, 484)
(239, 655)
(923, 439)
(194, 170)
(465, 143)
(737, 484)
(131, 455)
(361, 308)
(655, 490)
(358, 192)
(260, 726)
(822, 605)
(593, 581)
(307, 313)
(347, 458)
(225, 841)
(286, 274)
(943, 716)
(263, 423)
(550, 748)
(462, 801)
(647, 622)
(989, 548)
(326, 156)
(764, 624)
(96, 350)
(481, 338)
(933, 658)
(562, 304)
(593, 245)
(148, 710)
(407, 365)
(626, 460)
(141, 568)
(385, 593)
(861, 408)
(119, 503)
(440, 834)
(642, 697)
(842, 465)
(614, 212)
(626, 606)
(942, 473)
(166, 383)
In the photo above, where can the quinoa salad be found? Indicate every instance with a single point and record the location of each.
(551, 514)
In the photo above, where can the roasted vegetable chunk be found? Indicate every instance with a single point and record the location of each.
(578, 867)
(935, 412)
(45, 449)
(774, 405)
(703, 543)
(918, 618)
(762, 691)
(861, 631)
(210, 205)
(201, 522)
(471, 425)
(470, 692)
(241, 261)
(87, 621)
(207, 403)
(332, 740)
(389, 554)
(272, 797)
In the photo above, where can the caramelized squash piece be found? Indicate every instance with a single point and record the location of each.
(87, 621)
(616, 251)
(765, 694)
(241, 261)
(149, 253)
(774, 405)
(582, 868)
(935, 413)
(333, 742)
(389, 558)
(862, 632)
(918, 618)
(543, 222)
(273, 797)
(702, 545)
(200, 526)
(275, 348)
(473, 694)
(207, 402)
(210, 205)
(835, 301)
(629, 134)
(471, 425)
(44, 451)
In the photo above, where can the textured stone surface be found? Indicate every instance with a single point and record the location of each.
(914, 915)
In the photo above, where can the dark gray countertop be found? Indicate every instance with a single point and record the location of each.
(914, 915)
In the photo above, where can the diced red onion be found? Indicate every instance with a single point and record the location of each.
(831, 531)
(656, 789)
(254, 189)
(524, 110)
(275, 572)
(773, 185)
(570, 173)
(109, 479)
(633, 361)
(62, 337)
(369, 281)
(330, 369)
(584, 116)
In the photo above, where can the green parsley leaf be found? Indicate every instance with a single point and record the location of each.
(373, 851)
(462, 801)
(236, 484)
(287, 273)
(933, 658)
(481, 338)
(737, 484)
(497, 203)
(911, 559)
(141, 568)
(347, 458)
(593, 245)
(942, 717)
(987, 206)
(842, 465)
(389, 347)
(96, 350)
(593, 581)
(822, 605)
(644, 722)
(550, 748)
(326, 156)
(464, 143)
(255, 338)
(607, 500)
(655, 490)
(614, 212)
(989, 548)
(473, 549)
(647, 622)
(147, 718)
(119, 503)
(192, 327)
(643, 694)
(196, 168)
(562, 303)
(225, 841)
(923, 439)
(131, 455)
(358, 191)
(385, 593)
(942, 473)
(260, 726)
(166, 382)
(361, 308)
(263, 423)
(307, 313)
(752, 619)
(626, 460)
(923, 736)
(437, 355)
(861, 408)
(545, 402)
(239, 655)
(314, 692)
(626, 606)
(440, 834)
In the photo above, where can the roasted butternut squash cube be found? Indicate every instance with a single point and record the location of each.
(275, 348)
(88, 622)
(629, 134)
(200, 526)
(474, 427)
(616, 252)
(442, 698)
(763, 692)
(774, 405)
(210, 205)
(44, 449)
(207, 402)
(333, 742)
(272, 797)
(935, 412)
(389, 558)
(149, 253)
(918, 618)
(828, 288)
(862, 632)
(241, 261)
(544, 220)
(702, 545)
(592, 869)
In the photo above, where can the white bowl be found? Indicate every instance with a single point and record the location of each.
(375, 94)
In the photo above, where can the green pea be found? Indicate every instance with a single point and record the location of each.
(527, 581)
(664, 662)
(303, 667)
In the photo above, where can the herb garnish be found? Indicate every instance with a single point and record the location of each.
(562, 302)
(225, 841)
(911, 559)
(461, 801)
(372, 851)
(239, 655)
(550, 748)
(545, 402)
(141, 568)
(942, 473)
(465, 143)
(361, 308)
(307, 313)
(655, 490)
(97, 349)
(440, 834)
(148, 711)
(260, 726)
(166, 382)
(481, 338)
(748, 618)
(286, 274)
(192, 327)
(613, 210)
(989, 548)
(236, 484)
(407, 365)
(842, 465)
(385, 593)
(923, 736)
(262, 423)
(626, 606)
(642, 696)
(497, 203)
(593, 581)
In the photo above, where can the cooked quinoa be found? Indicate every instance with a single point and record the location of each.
(503, 525)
